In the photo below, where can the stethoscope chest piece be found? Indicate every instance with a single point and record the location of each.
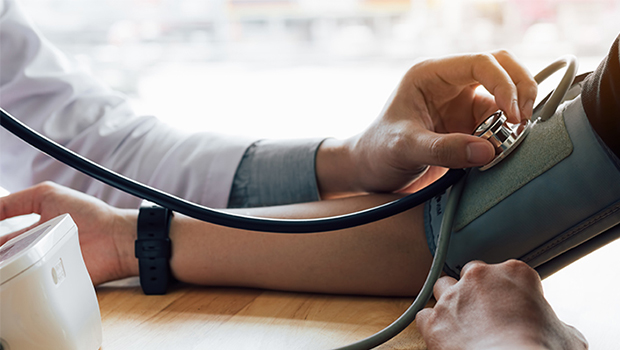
(505, 137)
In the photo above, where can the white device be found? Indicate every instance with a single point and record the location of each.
(47, 300)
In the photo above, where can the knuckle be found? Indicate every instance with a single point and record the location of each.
(504, 53)
(528, 86)
(441, 308)
(514, 263)
(531, 90)
(440, 151)
(521, 270)
(484, 58)
(423, 316)
(46, 188)
(398, 141)
(476, 270)
(439, 311)
(517, 266)
(448, 297)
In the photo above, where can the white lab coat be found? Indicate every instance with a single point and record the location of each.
(52, 94)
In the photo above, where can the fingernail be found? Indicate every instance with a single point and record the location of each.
(479, 153)
(515, 109)
(527, 109)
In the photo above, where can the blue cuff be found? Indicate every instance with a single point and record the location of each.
(276, 172)
(433, 215)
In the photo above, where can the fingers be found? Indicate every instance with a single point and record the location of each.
(422, 319)
(423, 316)
(451, 150)
(500, 73)
(27, 201)
(510, 83)
(12, 235)
(527, 88)
(442, 285)
(518, 271)
(472, 265)
(6, 238)
(21, 203)
(18, 203)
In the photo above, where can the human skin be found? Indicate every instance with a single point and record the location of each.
(428, 120)
(499, 307)
(388, 257)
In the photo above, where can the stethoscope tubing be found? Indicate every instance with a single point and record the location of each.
(219, 217)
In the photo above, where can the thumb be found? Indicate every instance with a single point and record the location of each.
(453, 150)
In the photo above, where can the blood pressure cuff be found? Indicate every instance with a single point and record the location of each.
(556, 191)
(559, 189)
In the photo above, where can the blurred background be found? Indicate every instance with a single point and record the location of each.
(305, 68)
(208, 63)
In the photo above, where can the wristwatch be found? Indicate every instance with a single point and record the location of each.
(153, 248)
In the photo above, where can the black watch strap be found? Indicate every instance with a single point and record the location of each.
(153, 248)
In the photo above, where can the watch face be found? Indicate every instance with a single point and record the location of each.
(15, 246)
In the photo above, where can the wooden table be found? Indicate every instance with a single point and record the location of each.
(191, 317)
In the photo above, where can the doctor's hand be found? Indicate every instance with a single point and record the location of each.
(428, 120)
(494, 307)
(101, 228)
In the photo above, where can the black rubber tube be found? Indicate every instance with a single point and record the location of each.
(218, 217)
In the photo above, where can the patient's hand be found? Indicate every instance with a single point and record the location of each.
(101, 227)
(428, 121)
(494, 307)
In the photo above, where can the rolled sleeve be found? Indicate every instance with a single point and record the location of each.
(276, 172)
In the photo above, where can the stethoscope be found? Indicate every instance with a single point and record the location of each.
(504, 136)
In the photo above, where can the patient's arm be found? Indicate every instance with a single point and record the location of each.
(388, 257)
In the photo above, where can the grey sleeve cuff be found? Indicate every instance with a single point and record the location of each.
(276, 172)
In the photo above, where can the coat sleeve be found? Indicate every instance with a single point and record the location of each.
(51, 93)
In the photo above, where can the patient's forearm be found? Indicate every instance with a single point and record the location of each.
(389, 257)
